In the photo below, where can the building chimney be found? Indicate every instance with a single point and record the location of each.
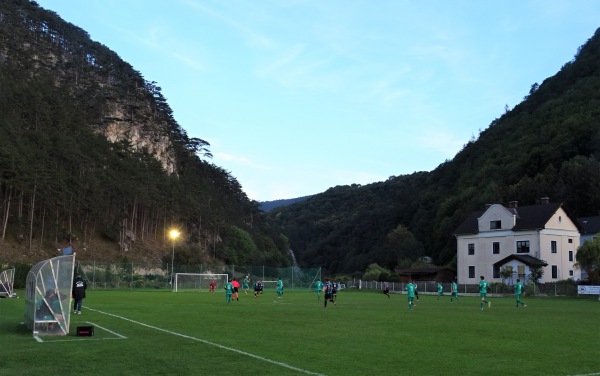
(513, 204)
(545, 200)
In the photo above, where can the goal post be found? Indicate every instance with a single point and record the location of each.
(198, 281)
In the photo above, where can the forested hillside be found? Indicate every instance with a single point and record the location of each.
(91, 155)
(270, 205)
(547, 146)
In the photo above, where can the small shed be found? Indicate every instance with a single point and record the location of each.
(48, 296)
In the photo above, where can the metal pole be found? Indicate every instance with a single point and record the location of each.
(172, 265)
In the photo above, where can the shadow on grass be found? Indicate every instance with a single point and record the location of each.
(14, 328)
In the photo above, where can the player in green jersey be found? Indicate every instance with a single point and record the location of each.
(440, 289)
(518, 290)
(279, 288)
(483, 287)
(454, 289)
(410, 289)
(228, 291)
(319, 287)
(246, 285)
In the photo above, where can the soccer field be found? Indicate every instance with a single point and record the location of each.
(163, 333)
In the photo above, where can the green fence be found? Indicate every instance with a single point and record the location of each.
(134, 275)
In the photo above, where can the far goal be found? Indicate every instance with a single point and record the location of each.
(199, 281)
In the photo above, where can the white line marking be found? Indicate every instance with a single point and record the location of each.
(110, 331)
(212, 344)
(589, 374)
(82, 339)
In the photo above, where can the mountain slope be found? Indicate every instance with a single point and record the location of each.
(547, 146)
(91, 155)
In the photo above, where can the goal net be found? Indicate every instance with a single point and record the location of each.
(199, 281)
(269, 285)
(7, 279)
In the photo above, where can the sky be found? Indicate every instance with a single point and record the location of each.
(296, 96)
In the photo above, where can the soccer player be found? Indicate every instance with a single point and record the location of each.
(386, 289)
(228, 291)
(236, 287)
(212, 286)
(257, 288)
(518, 290)
(279, 288)
(454, 289)
(334, 291)
(328, 292)
(483, 287)
(416, 293)
(440, 290)
(246, 284)
(319, 287)
(411, 290)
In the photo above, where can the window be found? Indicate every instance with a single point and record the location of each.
(496, 271)
(471, 248)
(521, 271)
(554, 271)
(496, 248)
(570, 241)
(471, 271)
(570, 273)
(523, 246)
(495, 225)
(553, 246)
(570, 255)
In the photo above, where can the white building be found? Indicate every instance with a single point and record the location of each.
(516, 239)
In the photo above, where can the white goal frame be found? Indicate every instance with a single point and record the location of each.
(269, 282)
(7, 281)
(205, 276)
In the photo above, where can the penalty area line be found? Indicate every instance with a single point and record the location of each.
(285, 365)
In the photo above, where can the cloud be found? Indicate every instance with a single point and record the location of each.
(248, 34)
(239, 160)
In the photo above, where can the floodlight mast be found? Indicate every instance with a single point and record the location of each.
(173, 235)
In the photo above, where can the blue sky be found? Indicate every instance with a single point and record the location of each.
(298, 96)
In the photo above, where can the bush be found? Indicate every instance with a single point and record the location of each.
(21, 271)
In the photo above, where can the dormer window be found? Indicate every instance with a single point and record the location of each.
(495, 225)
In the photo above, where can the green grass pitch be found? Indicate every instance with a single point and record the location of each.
(164, 333)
